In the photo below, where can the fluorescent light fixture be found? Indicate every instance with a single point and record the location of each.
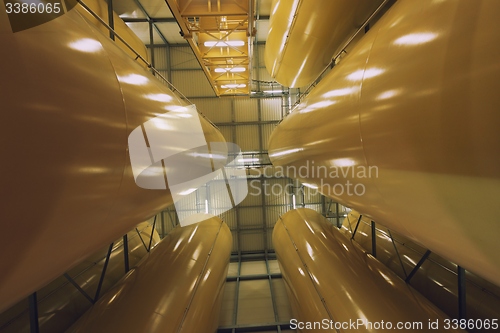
(233, 86)
(203, 155)
(246, 160)
(231, 70)
(273, 91)
(220, 43)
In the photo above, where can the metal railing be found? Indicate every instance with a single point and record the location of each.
(339, 53)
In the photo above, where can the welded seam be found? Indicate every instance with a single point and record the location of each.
(199, 279)
(309, 274)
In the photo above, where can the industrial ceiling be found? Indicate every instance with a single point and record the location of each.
(221, 34)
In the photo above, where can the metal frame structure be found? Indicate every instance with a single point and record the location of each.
(221, 37)
(33, 299)
(257, 327)
(460, 272)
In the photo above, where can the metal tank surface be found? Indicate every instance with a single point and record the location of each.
(334, 283)
(60, 303)
(304, 36)
(405, 128)
(177, 288)
(436, 279)
(70, 98)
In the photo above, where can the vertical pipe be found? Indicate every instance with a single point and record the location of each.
(233, 139)
(303, 195)
(292, 192)
(263, 195)
(151, 46)
(34, 328)
(397, 253)
(169, 67)
(99, 286)
(237, 293)
(152, 233)
(162, 220)
(142, 240)
(357, 225)
(462, 293)
(125, 253)
(415, 269)
(337, 214)
(273, 299)
(73, 282)
(374, 240)
(111, 20)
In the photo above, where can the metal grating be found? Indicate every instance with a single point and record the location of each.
(221, 35)
(191, 83)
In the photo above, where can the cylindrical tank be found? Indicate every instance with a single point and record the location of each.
(70, 98)
(304, 36)
(100, 8)
(406, 127)
(177, 288)
(60, 303)
(436, 279)
(330, 279)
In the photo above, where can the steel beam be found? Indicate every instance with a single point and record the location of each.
(255, 328)
(397, 252)
(254, 277)
(152, 233)
(126, 261)
(103, 273)
(33, 306)
(357, 225)
(415, 269)
(374, 240)
(462, 293)
(111, 19)
(77, 286)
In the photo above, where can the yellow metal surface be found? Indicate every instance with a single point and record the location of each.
(70, 97)
(304, 36)
(406, 128)
(60, 304)
(436, 279)
(330, 278)
(100, 8)
(178, 288)
(221, 35)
